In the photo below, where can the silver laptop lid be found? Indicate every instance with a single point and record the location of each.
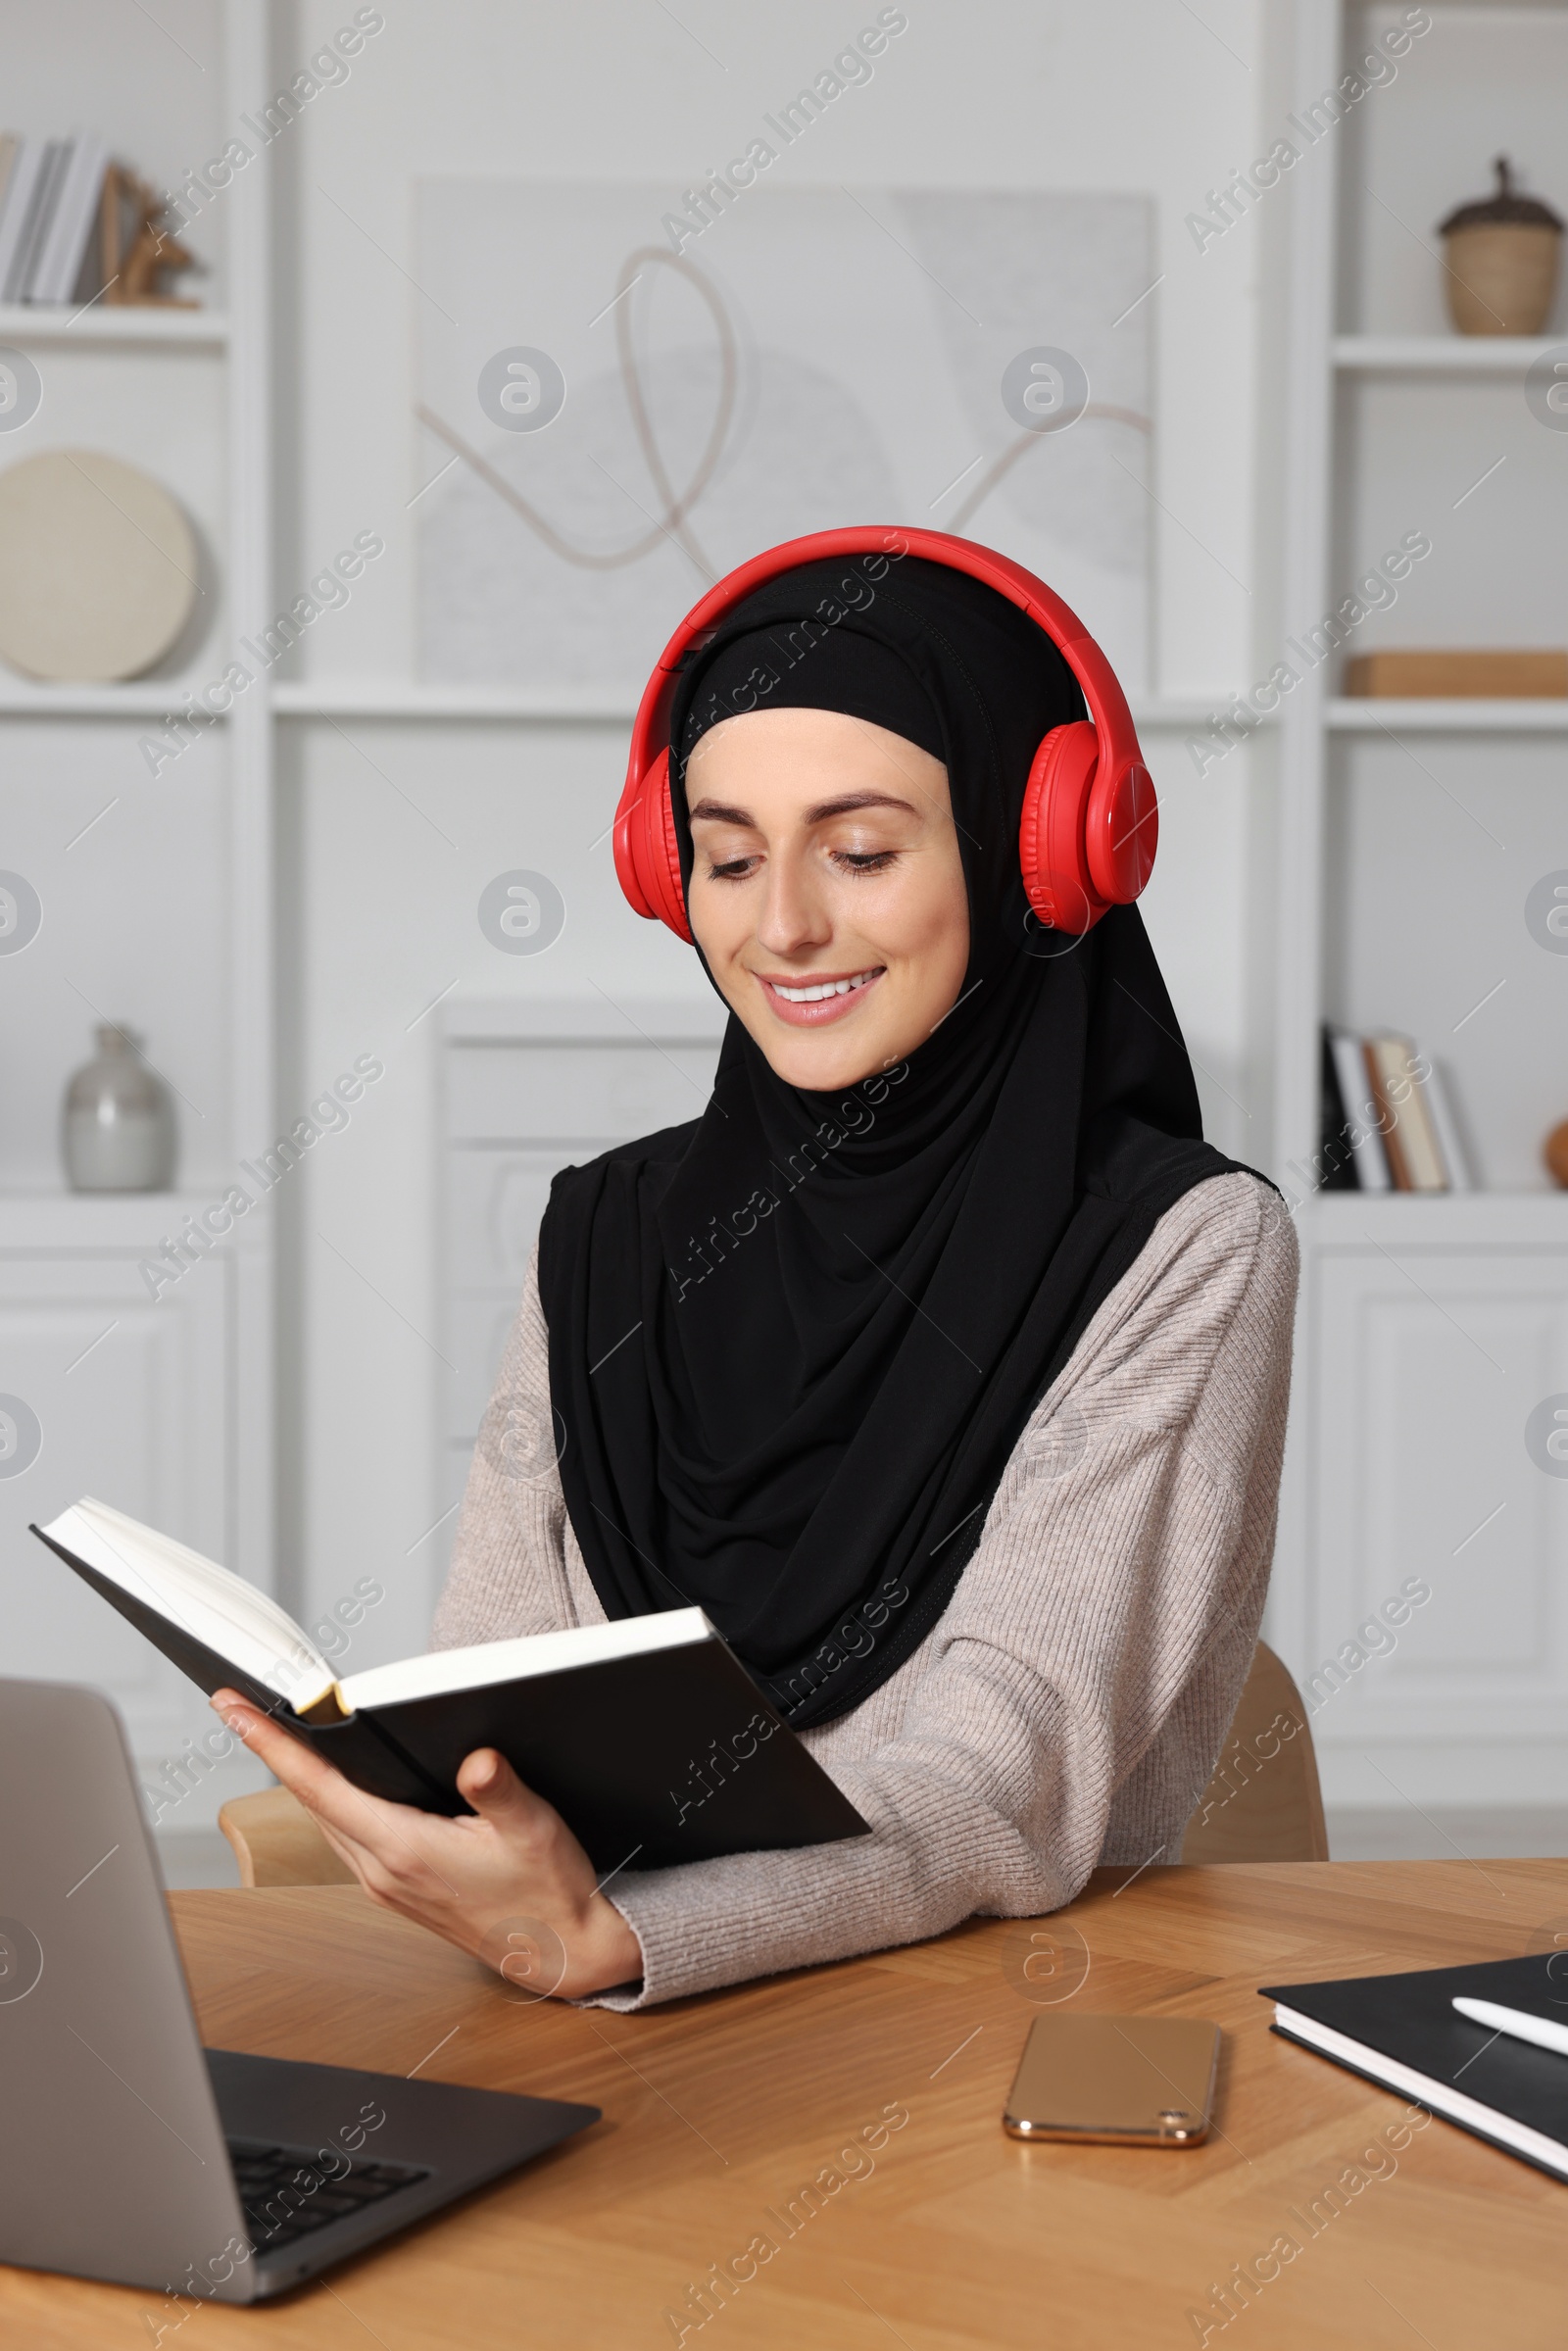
(111, 2161)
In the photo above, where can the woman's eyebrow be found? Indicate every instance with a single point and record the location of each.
(848, 802)
(720, 812)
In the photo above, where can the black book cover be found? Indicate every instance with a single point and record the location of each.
(666, 1756)
(1411, 2020)
(671, 1755)
(1336, 1157)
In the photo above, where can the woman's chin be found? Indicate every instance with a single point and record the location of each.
(822, 1061)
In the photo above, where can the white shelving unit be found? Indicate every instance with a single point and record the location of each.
(1440, 354)
(1350, 716)
(165, 1405)
(50, 329)
(1408, 835)
(400, 698)
(133, 700)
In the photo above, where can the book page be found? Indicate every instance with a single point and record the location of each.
(1456, 2106)
(211, 1603)
(532, 1655)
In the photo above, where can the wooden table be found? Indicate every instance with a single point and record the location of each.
(718, 2110)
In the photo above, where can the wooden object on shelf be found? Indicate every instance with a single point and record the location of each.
(134, 252)
(277, 1842)
(1554, 1150)
(1263, 1803)
(719, 2110)
(97, 567)
(1500, 258)
(1477, 675)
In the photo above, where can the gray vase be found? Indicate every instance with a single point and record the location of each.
(117, 1130)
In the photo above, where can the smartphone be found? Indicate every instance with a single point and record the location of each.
(1116, 2080)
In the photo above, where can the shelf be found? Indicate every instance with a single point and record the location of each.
(1177, 711)
(1441, 355)
(23, 322)
(392, 698)
(1469, 1220)
(1370, 715)
(34, 1223)
(161, 699)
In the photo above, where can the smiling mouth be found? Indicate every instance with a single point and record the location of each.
(817, 991)
(809, 1002)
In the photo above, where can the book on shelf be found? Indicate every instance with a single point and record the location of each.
(21, 166)
(1334, 1153)
(50, 194)
(1451, 1142)
(1395, 1070)
(1352, 1142)
(1387, 1117)
(29, 192)
(647, 1735)
(65, 253)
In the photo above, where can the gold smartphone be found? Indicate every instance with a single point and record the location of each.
(1117, 2080)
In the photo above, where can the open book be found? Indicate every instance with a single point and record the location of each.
(647, 1735)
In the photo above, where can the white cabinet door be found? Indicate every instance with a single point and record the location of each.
(130, 1402)
(530, 1089)
(1438, 1373)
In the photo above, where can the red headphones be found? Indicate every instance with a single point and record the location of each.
(1090, 819)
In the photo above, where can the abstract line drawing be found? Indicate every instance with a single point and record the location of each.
(803, 370)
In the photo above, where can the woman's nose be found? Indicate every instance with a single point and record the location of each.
(793, 916)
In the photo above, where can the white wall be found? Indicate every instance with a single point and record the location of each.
(379, 900)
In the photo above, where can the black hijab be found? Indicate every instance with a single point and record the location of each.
(793, 1345)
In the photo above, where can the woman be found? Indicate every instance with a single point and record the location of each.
(941, 1361)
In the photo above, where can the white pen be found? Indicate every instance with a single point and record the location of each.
(1542, 2030)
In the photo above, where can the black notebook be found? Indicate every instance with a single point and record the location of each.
(1404, 2032)
(648, 1735)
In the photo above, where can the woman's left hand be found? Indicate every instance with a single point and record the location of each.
(508, 1870)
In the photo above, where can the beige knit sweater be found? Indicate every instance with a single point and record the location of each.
(1070, 1705)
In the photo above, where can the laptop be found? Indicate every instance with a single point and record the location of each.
(132, 2153)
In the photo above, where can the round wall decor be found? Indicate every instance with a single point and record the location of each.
(97, 567)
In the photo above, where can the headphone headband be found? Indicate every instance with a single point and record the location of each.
(1107, 705)
(1089, 824)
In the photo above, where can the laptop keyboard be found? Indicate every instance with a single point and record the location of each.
(288, 2193)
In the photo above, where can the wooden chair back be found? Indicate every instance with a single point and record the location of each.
(1263, 1803)
(277, 1842)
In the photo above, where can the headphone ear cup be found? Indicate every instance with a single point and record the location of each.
(1052, 853)
(1121, 832)
(647, 852)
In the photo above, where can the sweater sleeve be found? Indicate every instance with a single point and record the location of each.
(508, 1574)
(1113, 1598)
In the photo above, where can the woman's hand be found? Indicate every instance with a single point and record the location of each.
(512, 1866)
